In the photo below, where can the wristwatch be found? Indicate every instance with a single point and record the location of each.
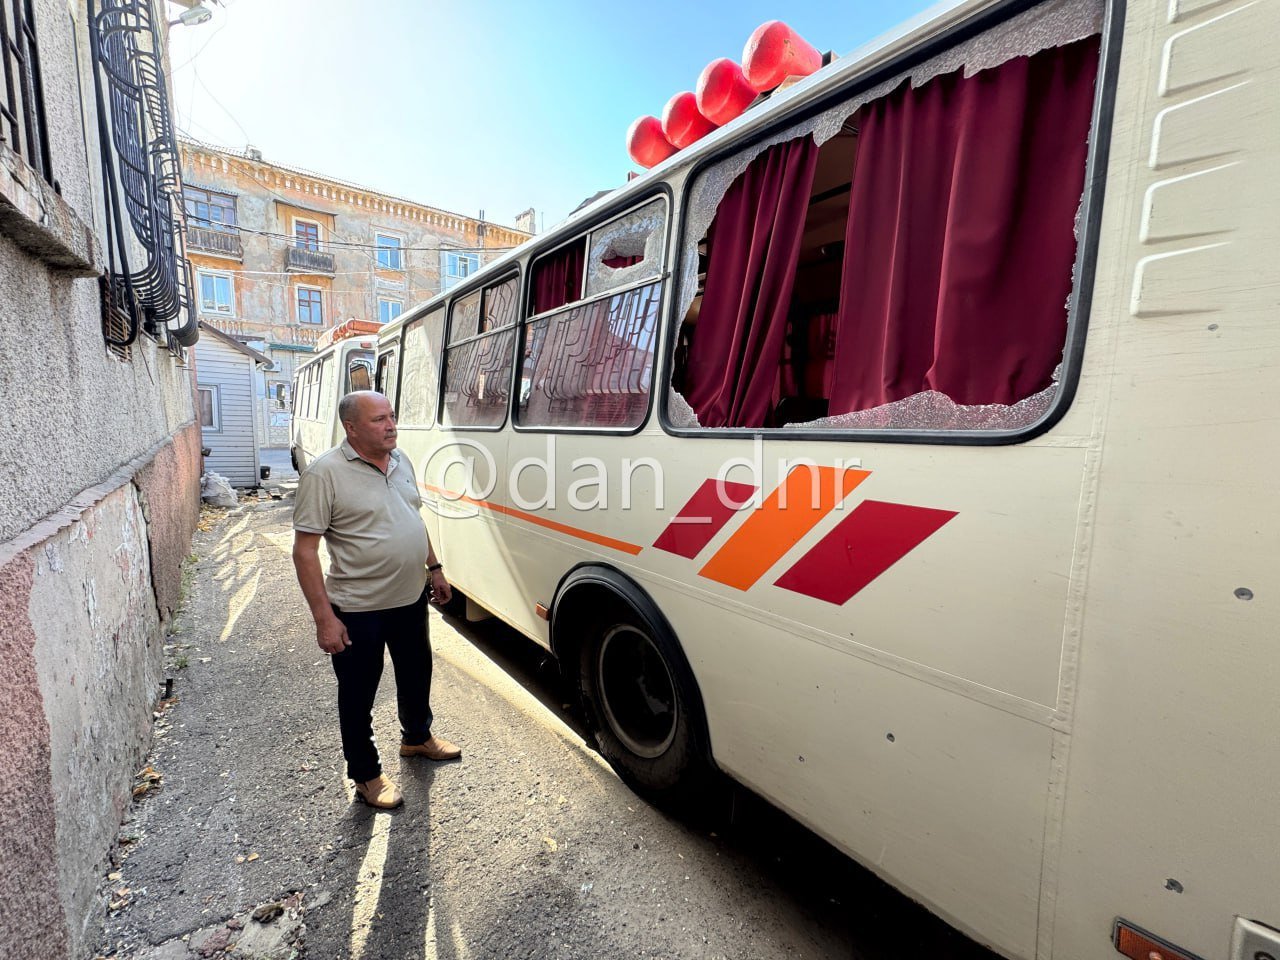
(433, 567)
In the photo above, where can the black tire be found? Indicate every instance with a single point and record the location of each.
(293, 458)
(641, 702)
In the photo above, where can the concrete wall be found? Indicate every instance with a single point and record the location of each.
(99, 464)
(98, 658)
(27, 821)
(71, 407)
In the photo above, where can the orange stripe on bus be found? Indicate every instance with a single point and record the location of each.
(533, 518)
(806, 496)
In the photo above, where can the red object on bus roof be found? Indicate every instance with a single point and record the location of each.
(682, 122)
(723, 92)
(775, 52)
(646, 142)
(345, 330)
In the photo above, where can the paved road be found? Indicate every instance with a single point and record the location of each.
(528, 848)
(277, 458)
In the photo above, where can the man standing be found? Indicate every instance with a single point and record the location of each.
(362, 498)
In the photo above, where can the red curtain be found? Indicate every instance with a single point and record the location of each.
(557, 277)
(960, 239)
(753, 248)
(617, 263)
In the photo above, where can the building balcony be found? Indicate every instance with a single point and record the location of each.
(219, 243)
(302, 260)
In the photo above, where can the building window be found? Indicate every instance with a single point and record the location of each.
(213, 211)
(457, 267)
(210, 415)
(306, 234)
(310, 305)
(389, 253)
(22, 122)
(388, 310)
(280, 395)
(217, 294)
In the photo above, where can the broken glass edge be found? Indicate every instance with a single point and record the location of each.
(1053, 23)
(649, 221)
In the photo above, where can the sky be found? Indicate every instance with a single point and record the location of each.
(492, 105)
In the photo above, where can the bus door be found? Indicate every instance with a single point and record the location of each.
(467, 460)
(384, 380)
(585, 379)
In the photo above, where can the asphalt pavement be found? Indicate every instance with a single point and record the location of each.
(530, 847)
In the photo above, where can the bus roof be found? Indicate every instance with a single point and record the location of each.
(934, 22)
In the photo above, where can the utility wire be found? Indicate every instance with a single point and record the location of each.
(354, 244)
(347, 242)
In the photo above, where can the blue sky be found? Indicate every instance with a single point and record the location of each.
(474, 104)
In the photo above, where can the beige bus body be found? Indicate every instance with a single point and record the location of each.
(318, 385)
(1059, 711)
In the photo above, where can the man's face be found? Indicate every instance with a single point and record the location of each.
(373, 430)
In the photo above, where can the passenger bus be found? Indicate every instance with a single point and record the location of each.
(343, 362)
(907, 450)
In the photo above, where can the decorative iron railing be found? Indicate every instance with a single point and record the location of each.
(220, 243)
(143, 182)
(304, 260)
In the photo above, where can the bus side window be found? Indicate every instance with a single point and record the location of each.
(479, 355)
(921, 292)
(302, 396)
(388, 367)
(419, 389)
(326, 390)
(588, 353)
(359, 375)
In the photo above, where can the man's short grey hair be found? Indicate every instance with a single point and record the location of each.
(350, 403)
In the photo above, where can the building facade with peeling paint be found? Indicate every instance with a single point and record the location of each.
(280, 255)
(99, 448)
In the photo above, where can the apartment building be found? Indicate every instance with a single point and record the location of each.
(279, 255)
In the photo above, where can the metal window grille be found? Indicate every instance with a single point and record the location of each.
(148, 284)
(22, 122)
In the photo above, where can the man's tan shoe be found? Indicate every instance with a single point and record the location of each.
(380, 793)
(436, 748)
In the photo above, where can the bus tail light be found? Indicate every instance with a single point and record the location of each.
(1136, 944)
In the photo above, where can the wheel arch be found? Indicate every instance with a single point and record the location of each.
(572, 611)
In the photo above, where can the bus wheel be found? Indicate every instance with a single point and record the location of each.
(642, 703)
(293, 458)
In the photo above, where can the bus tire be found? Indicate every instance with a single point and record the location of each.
(293, 458)
(641, 702)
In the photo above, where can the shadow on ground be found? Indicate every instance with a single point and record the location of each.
(889, 925)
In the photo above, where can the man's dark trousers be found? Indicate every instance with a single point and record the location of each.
(403, 631)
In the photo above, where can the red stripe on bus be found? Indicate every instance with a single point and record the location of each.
(533, 518)
(863, 545)
(704, 516)
(802, 499)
